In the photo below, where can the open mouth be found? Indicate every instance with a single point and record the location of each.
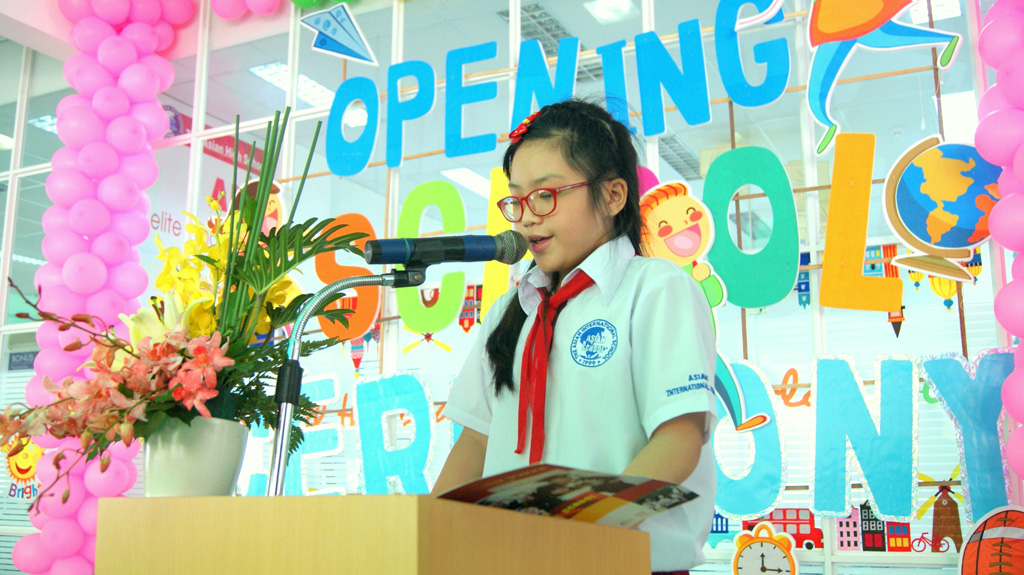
(538, 243)
(685, 243)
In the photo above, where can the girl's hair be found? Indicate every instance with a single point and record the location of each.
(597, 146)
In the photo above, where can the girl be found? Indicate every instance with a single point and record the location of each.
(622, 382)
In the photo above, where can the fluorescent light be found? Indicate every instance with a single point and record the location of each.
(309, 90)
(610, 11)
(941, 10)
(6, 142)
(46, 123)
(470, 180)
(959, 117)
(27, 260)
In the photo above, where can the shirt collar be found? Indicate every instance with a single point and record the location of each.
(606, 266)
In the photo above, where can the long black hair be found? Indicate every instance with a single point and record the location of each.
(597, 146)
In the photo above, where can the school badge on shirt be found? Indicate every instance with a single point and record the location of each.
(594, 343)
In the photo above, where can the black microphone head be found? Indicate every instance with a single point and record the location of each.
(512, 247)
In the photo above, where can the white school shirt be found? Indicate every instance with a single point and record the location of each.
(628, 354)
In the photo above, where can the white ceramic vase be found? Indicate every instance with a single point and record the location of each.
(203, 458)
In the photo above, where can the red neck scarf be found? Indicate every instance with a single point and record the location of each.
(534, 376)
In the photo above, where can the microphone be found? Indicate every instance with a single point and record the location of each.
(508, 247)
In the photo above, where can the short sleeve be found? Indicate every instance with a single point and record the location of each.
(469, 402)
(673, 342)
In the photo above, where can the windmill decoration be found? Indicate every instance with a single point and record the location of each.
(425, 337)
(945, 515)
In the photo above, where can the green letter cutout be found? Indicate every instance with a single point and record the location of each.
(765, 277)
(453, 219)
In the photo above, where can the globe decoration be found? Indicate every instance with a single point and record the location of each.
(937, 200)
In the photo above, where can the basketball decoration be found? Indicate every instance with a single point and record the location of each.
(997, 544)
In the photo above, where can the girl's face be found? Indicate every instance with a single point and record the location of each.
(561, 240)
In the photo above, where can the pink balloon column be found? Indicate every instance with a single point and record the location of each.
(1000, 140)
(234, 9)
(99, 214)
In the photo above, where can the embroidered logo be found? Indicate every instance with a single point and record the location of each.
(594, 343)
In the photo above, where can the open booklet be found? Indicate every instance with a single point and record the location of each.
(606, 499)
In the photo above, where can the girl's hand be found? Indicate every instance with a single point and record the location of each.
(701, 271)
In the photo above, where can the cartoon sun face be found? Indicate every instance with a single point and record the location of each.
(678, 226)
(22, 466)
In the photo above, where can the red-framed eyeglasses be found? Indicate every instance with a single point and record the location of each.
(542, 201)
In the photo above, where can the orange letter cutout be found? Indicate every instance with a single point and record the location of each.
(843, 284)
(367, 302)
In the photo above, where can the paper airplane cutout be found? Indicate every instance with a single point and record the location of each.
(338, 33)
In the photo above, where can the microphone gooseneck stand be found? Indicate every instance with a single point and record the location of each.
(289, 378)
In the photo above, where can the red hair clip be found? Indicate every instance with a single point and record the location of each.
(517, 134)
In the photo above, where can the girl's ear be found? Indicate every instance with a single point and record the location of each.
(615, 194)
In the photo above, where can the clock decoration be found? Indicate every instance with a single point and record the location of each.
(764, 551)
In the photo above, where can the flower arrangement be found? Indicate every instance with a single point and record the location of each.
(206, 348)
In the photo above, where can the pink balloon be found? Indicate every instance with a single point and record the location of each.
(106, 304)
(84, 273)
(64, 158)
(1009, 307)
(79, 126)
(129, 279)
(62, 538)
(90, 77)
(997, 11)
(991, 101)
(88, 552)
(36, 395)
(120, 451)
(141, 169)
(1004, 222)
(145, 12)
(139, 82)
(109, 483)
(51, 504)
(29, 556)
(998, 135)
(165, 35)
(110, 247)
(62, 301)
(177, 12)
(144, 205)
(46, 336)
(88, 32)
(73, 64)
(89, 217)
(262, 7)
(46, 441)
(72, 101)
(38, 519)
(76, 565)
(127, 135)
(1010, 75)
(163, 68)
(142, 35)
(154, 119)
(1017, 169)
(229, 9)
(47, 276)
(1015, 451)
(1000, 38)
(116, 53)
(65, 187)
(118, 192)
(1013, 394)
(110, 102)
(62, 244)
(87, 512)
(75, 10)
(133, 473)
(1017, 268)
(98, 159)
(133, 225)
(1008, 183)
(112, 11)
(56, 218)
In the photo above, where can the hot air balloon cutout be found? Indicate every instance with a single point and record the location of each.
(945, 288)
(945, 517)
(427, 337)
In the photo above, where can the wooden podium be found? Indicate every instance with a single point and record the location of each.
(352, 534)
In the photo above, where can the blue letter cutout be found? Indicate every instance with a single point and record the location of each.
(883, 450)
(974, 405)
(346, 158)
(688, 87)
(774, 54)
(399, 111)
(373, 401)
(458, 95)
(615, 82)
(757, 492)
(532, 77)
